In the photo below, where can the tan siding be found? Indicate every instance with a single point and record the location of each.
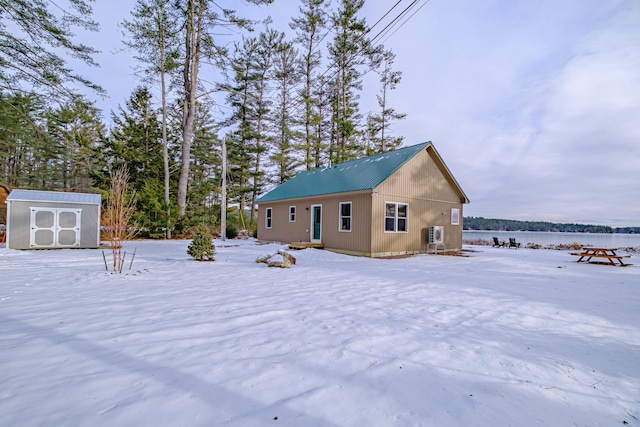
(421, 184)
(282, 230)
(358, 240)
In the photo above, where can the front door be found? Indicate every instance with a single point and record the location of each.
(316, 223)
(55, 228)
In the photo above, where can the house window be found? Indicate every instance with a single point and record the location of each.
(455, 216)
(396, 217)
(268, 218)
(345, 216)
(292, 214)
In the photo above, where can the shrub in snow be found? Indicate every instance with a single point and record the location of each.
(232, 232)
(202, 247)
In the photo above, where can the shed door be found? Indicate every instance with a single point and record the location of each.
(55, 228)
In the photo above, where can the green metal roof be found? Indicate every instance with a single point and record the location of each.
(362, 174)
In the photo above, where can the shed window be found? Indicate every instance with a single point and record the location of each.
(345, 216)
(292, 214)
(455, 216)
(268, 219)
(396, 217)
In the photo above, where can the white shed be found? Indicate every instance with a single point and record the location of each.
(51, 219)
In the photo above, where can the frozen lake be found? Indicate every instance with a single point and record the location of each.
(546, 238)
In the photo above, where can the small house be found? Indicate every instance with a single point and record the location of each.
(398, 202)
(50, 219)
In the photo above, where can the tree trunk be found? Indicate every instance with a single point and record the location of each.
(165, 142)
(192, 60)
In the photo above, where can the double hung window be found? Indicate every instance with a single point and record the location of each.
(268, 218)
(345, 216)
(292, 214)
(396, 216)
(455, 216)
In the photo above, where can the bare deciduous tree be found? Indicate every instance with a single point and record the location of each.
(116, 218)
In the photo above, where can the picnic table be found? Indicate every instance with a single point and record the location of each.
(606, 253)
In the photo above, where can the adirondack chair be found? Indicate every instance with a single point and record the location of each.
(513, 243)
(497, 243)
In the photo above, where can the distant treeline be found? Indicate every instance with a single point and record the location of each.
(479, 223)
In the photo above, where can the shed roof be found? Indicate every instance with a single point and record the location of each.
(355, 175)
(53, 196)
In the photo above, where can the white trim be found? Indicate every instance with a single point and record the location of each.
(294, 214)
(395, 218)
(311, 228)
(455, 216)
(268, 218)
(340, 217)
(56, 228)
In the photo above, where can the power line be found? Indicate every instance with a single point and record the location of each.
(406, 20)
(359, 52)
(297, 105)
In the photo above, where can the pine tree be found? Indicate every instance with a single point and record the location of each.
(201, 18)
(136, 141)
(205, 167)
(267, 45)
(286, 77)
(378, 125)
(26, 149)
(350, 50)
(153, 34)
(242, 99)
(201, 247)
(311, 29)
(33, 53)
(77, 129)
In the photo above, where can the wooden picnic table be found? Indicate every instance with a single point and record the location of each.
(606, 253)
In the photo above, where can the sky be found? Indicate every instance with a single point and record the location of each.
(534, 106)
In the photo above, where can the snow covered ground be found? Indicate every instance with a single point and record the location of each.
(500, 338)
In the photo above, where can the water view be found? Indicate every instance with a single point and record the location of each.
(554, 238)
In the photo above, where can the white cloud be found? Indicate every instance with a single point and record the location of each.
(539, 118)
(534, 105)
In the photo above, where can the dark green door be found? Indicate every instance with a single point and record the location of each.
(316, 226)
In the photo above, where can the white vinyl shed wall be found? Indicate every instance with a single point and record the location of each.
(50, 220)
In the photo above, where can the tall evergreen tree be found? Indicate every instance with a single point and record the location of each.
(201, 19)
(136, 138)
(153, 34)
(241, 97)
(136, 141)
(27, 154)
(286, 77)
(350, 50)
(205, 167)
(378, 125)
(310, 29)
(77, 130)
(267, 44)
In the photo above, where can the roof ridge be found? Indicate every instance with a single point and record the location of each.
(329, 180)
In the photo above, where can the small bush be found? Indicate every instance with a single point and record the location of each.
(202, 247)
(232, 232)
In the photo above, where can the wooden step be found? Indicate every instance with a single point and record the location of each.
(304, 245)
